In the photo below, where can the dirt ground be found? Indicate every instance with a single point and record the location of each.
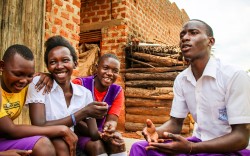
(130, 138)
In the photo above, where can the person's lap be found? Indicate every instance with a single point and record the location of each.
(22, 144)
(138, 148)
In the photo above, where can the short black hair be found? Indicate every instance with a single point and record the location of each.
(22, 50)
(108, 55)
(209, 30)
(56, 41)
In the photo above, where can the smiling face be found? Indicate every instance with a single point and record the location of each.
(107, 73)
(194, 41)
(60, 64)
(17, 73)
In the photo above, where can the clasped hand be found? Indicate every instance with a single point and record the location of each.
(97, 109)
(113, 138)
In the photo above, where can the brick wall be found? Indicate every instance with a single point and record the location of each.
(157, 21)
(62, 17)
(114, 37)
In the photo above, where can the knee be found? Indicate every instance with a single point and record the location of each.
(61, 147)
(114, 148)
(44, 147)
(95, 147)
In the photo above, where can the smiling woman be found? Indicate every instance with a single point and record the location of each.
(67, 103)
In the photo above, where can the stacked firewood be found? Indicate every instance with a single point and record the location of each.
(149, 77)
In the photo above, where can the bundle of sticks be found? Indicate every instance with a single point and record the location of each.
(149, 76)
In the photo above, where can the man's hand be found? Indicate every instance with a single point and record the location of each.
(149, 132)
(175, 144)
(71, 139)
(16, 153)
(45, 80)
(96, 109)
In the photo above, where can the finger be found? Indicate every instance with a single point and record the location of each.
(167, 146)
(149, 123)
(117, 142)
(148, 138)
(111, 130)
(145, 134)
(150, 126)
(117, 136)
(161, 140)
(24, 151)
(47, 88)
(107, 126)
(72, 149)
(171, 136)
(39, 84)
(100, 103)
(151, 148)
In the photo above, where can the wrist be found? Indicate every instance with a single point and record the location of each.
(73, 119)
(84, 113)
(191, 148)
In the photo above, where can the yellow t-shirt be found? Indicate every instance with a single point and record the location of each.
(12, 103)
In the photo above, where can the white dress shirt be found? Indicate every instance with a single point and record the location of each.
(218, 99)
(55, 103)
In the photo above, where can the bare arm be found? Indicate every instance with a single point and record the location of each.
(174, 125)
(38, 116)
(236, 140)
(153, 134)
(9, 130)
(93, 129)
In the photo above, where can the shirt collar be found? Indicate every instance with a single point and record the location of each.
(210, 70)
(76, 89)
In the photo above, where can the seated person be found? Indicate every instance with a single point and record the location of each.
(18, 67)
(217, 96)
(13, 152)
(67, 103)
(102, 87)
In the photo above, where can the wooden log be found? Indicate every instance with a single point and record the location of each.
(140, 62)
(148, 83)
(151, 76)
(148, 111)
(160, 119)
(154, 70)
(158, 93)
(135, 65)
(131, 126)
(165, 61)
(139, 102)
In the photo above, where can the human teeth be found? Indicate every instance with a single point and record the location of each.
(60, 74)
(107, 79)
